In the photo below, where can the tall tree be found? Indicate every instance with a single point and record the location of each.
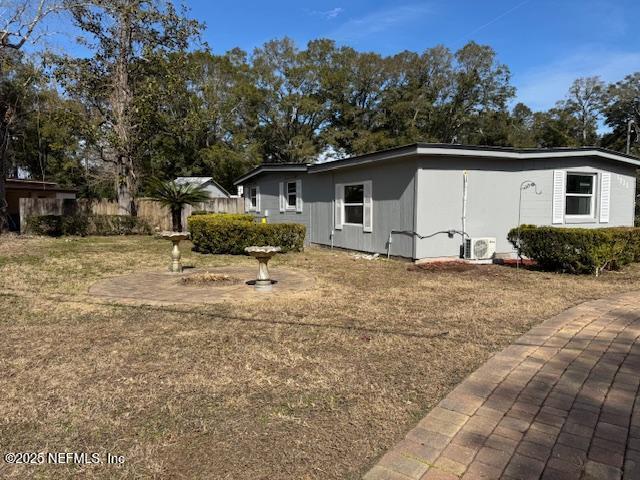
(200, 116)
(293, 108)
(584, 102)
(622, 106)
(19, 23)
(122, 35)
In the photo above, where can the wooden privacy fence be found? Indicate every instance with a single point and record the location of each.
(156, 215)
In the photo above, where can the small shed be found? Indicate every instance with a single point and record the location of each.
(38, 189)
(214, 189)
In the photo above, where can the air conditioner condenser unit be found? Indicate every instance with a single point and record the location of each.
(479, 248)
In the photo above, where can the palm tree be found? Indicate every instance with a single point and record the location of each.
(175, 196)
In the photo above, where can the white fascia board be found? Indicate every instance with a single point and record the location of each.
(327, 166)
(293, 168)
(524, 155)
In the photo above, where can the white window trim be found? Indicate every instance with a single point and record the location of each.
(592, 208)
(345, 204)
(290, 208)
(254, 207)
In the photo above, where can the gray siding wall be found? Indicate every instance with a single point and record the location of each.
(393, 199)
(492, 201)
(215, 192)
(269, 184)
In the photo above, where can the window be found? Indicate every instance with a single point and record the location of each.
(292, 195)
(580, 194)
(354, 204)
(253, 198)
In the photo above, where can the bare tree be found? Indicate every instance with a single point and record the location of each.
(585, 101)
(20, 19)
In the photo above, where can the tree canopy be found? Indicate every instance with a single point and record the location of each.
(150, 102)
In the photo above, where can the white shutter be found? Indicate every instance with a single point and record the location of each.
(299, 204)
(339, 206)
(605, 197)
(367, 221)
(559, 192)
(282, 198)
(257, 199)
(247, 200)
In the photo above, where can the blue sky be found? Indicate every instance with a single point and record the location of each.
(546, 43)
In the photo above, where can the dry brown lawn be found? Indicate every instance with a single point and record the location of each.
(307, 386)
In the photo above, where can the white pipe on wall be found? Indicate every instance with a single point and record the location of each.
(465, 183)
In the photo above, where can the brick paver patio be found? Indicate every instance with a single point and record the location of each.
(164, 288)
(560, 403)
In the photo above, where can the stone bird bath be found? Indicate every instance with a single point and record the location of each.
(263, 255)
(175, 238)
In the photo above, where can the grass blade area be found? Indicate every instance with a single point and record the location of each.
(315, 385)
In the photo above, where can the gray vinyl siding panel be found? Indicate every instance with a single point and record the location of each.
(424, 194)
(492, 198)
(215, 192)
(393, 200)
(269, 184)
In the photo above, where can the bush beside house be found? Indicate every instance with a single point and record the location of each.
(232, 233)
(578, 250)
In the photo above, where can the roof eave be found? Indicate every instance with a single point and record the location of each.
(473, 151)
(303, 167)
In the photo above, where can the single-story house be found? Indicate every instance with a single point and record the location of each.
(20, 188)
(213, 188)
(430, 201)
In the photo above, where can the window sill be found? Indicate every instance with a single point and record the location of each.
(353, 224)
(579, 220)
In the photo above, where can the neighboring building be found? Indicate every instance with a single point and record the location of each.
(417, 196)
(19, 188)
(209, 184)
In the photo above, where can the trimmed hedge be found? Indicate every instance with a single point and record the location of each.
(82, 225)
(48, 225)
(231, 233)
(578, 250)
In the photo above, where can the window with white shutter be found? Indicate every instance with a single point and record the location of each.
(605, 197)
(247, 201)
(299, 205)
(338, 206)
(558, 196)
(367, 221)
(281, 198)
(580, 196)
(291, 195)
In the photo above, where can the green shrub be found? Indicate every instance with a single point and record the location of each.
(76, 224)
(58, 225)
(118, 225)
(49, 225)
(232, 233)
(578, 250)
(82, 224)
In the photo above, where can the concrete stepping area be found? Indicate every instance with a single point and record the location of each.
(560, 403)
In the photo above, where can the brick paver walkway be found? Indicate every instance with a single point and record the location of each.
(560, 403)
